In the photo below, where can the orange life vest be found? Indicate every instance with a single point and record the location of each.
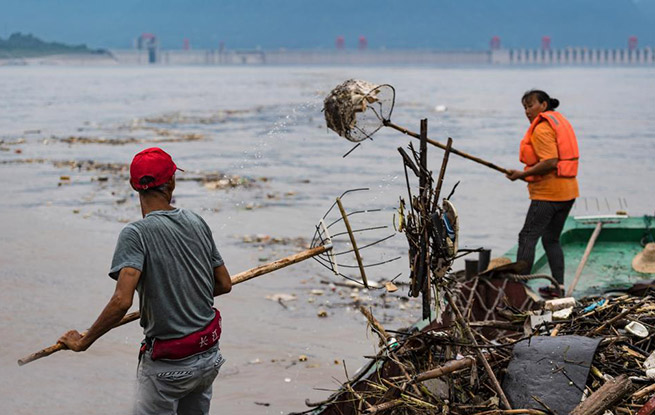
(567, 146)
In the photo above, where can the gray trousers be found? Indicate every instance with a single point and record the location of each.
(177, 387)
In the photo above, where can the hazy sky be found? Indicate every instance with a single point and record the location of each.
(272, 24)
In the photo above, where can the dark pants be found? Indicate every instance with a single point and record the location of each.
(544, 220)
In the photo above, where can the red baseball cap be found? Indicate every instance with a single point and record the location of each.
(153, 162)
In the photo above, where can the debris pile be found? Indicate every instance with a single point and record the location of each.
(466, 366)
(356, 109)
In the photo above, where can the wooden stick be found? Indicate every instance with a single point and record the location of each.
(606, 396)
(353, 242)
(236, 279)
(442, 172)
(585, 257)
(443, 147)
(280, 263)
(425, 181)
(643, 391)
(377, 327)
(446, 368)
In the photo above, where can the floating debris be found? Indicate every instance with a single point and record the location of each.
(172, 137)
(179, 118)
(264, 240)
(281, 297)
(216, 180)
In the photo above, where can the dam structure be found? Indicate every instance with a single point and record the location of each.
(512, 57)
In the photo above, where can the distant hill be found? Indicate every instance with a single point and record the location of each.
(311, 24)
(19, 45)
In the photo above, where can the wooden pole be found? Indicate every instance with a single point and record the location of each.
(452, 150)
(424, 195)
(585, 257)
(236, 279)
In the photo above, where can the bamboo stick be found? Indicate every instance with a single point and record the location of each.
(353, 242)
(236, 279)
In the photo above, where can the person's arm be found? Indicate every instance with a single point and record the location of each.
(544, 141)
(114, 311)
(542, 168)
(223, 282)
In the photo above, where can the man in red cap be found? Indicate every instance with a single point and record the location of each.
(171, 259)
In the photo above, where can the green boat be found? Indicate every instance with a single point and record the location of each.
(609, 263)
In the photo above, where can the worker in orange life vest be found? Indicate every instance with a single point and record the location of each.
(549, 151)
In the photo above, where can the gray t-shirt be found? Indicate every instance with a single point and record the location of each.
(176, 254)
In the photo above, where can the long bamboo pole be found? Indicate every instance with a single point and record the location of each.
(236, 279)
(444, 147)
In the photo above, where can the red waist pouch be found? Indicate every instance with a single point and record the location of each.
(191, 344)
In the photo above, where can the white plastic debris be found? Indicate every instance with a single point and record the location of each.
(637, 329)
(563, 314)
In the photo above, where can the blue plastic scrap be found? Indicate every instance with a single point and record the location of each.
(595, 305)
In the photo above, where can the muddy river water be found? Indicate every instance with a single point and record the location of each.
(262, 168)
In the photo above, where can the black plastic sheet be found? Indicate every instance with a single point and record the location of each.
(553, 370)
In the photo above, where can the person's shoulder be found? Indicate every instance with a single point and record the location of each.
(543, 127)
(189, 213)
(543, 131)
(132, 228)
(193, 216)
